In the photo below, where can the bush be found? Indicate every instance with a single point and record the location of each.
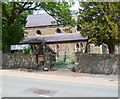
(72, 61)
(27, 51)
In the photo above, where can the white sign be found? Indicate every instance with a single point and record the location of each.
(20, 47)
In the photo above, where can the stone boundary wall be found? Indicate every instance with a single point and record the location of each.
(97, 63)
(18, 60)
(87, 63)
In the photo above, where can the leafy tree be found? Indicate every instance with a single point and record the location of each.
(12, 34)
(100, 21)
(12, 10)
(60, 11)
(14, 16)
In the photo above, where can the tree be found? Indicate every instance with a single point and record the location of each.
(14, 16)
(100, 21)
(12, 10)
(60, 11)
(12, 34)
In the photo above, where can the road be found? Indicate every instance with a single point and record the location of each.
(16, 86)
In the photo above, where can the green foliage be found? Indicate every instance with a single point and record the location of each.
(71, 62)
(12, 34)
(12, 10)
(27, 51)
(100, 21)
(60, 11)
(14, 16)
(68, 30)
(61, 62)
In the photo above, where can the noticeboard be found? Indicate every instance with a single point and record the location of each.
(40, 58)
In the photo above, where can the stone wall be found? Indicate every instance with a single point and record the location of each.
(28, 61)
(18, 60)
(47, 30)
(97, 63)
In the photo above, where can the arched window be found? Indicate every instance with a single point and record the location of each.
(38, 32)
(77, 45)
(78, 28)
(58, 30)
(57, 46)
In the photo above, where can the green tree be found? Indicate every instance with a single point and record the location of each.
(60, 11)
(12, 34)
(100, 21)
(14, 16)
(13, 10)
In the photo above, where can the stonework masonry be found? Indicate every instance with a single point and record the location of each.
(47, 30)
(68, 48)
(97, 63)
(86, 63)
(18, 61)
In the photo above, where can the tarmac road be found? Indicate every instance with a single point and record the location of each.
(19, 86)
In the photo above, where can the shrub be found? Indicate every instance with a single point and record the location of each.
(27, 51)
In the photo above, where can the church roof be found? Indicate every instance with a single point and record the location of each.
(39, 20)
(57, 38)
(43, 19)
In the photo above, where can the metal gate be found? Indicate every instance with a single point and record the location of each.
(64, 62)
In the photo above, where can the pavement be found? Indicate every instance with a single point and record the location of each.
(66, 76)
(29, 84)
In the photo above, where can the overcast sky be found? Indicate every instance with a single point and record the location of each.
(76, 5)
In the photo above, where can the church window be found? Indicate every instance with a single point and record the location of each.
(58, 30)
(38, 32)
(77, 45)
(57, 46)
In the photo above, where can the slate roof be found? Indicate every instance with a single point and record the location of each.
(57, 38)
(39, 20)
(44, 19)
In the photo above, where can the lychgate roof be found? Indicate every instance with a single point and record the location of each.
(57, 38)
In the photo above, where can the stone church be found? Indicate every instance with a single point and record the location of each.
(39, 25)
(43, 25)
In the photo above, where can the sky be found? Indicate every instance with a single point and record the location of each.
(76, 5)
